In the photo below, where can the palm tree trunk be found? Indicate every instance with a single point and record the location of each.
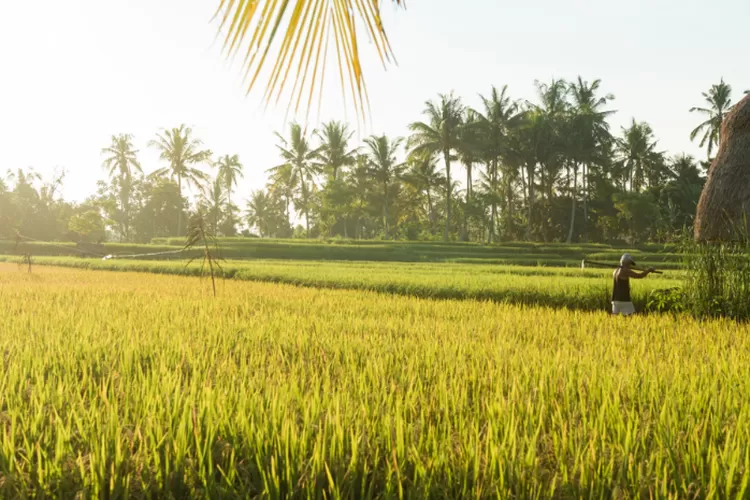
(493, 213)
(585, 183)
(385, 210)
(307, 209)
(126, 209)
(573, 206)
(530, 180)
(432, 212)
(508, 203)
(179, 211)
(446, 156)
(288, 219)
(542, 190)
(465, 228)
(229, 207)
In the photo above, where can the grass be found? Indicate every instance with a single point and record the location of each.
(139, 385)
(557, 287)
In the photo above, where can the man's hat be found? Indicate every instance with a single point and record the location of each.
(626, 259)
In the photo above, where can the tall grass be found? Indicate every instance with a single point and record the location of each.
(718, 278)
(118, 385)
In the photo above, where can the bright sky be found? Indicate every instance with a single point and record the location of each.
(75, 72)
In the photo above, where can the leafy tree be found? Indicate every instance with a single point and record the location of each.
(183, 153)
(640, 213)
(161, 206)
(87, 224)
(441, 134)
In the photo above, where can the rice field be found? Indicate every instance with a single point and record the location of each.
(555, 287)
(140, 385)
(506, 253)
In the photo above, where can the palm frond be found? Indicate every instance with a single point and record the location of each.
(310, 24)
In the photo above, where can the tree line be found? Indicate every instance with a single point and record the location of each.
(548, 170)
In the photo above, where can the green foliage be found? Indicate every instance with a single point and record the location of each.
(664, 300)
(718, 279)
(549, 170)
(88, 225)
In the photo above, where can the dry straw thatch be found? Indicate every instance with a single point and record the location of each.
(723, 212)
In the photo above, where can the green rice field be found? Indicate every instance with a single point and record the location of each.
(143, 385)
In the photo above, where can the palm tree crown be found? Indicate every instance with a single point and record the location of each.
(183, 152)
(315, 21)
(441, 134)
(121, 159)
(334, 148)
(303, 162)
(384, 167)
(719, 101)
(229, 172)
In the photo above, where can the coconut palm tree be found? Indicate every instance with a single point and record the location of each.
(251, 27)
(359, 182)
(121, 162)
(441, 134)
(215, 198)
(423, 174)
(183, 152)
(283, 183)
(636, 154)
(499, 116)
(260, 211)
(303, 162)
(589, 130)
(719, 101)
(469, 151)
(334, 147)
(229, 173)
(384, 167)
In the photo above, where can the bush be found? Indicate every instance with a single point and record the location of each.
(666, 300)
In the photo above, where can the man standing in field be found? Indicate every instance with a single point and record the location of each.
(621, 302)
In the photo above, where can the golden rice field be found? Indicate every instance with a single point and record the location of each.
(134, 385)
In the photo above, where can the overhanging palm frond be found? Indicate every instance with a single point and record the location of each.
(304, 46)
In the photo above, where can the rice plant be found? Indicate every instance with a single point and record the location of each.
(118, 385)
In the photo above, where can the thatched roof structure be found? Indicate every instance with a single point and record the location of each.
(724, 208)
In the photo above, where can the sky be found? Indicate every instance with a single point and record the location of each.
(75, 72)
